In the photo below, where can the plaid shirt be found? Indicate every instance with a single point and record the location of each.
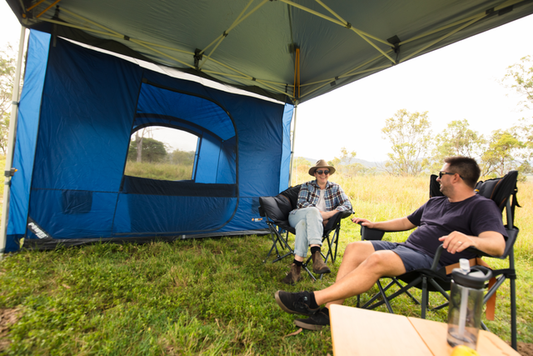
(334, 197)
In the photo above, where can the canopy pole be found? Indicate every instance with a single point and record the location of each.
(296, 95)
(11, 143)
(293, 141)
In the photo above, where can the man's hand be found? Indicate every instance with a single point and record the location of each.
(456, 242)
(328, 214)
(400, 224)
(363, 222)
(490, 242)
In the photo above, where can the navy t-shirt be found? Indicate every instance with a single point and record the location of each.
(439, 217)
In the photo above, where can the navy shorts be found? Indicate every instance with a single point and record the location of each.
(411, 258)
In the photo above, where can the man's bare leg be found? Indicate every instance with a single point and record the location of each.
(362, 277)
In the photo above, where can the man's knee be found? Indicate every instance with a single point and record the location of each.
(359, 248)
(385, 263)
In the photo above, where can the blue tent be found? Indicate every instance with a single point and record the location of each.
(78, 110)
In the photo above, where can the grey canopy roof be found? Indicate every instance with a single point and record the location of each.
(288, 50)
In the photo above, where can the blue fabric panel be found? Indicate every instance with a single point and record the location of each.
(28, 123)
(62, 223)
(260, 134)
(207, 167)
(156, 214)
(247, 217)
(86, 119)
(287, 149)
(227, 171)
(200, 111)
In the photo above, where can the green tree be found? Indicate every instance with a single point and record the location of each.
(182, 158)
(520, 77)
(456, 140)
(152, 150)
(344, 166)
(409, 135)
(7, 77)
(501, 154)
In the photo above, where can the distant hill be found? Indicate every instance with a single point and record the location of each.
(365, 163)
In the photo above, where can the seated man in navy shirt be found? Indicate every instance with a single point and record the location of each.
(458, 220)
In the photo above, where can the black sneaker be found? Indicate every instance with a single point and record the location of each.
(295, 303)
(315, 322)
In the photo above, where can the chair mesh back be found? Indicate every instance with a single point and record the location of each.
(434, 187)
(500, 189)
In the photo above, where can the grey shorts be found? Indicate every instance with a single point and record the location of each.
(411, 258)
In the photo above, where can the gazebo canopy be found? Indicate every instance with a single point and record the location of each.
(288, 50)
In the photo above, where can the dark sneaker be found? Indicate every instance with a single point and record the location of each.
(315, 322)
(293, 276)
(295, 303)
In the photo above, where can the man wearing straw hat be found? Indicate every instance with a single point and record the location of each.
(318, 201)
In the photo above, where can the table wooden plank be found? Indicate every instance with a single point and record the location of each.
(363, 332)
(434, 335)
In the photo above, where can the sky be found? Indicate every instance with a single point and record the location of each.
(460, 81)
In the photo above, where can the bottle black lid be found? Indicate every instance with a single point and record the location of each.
(475, 279)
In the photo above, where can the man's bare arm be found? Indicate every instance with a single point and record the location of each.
(400, 224)
(490, 242)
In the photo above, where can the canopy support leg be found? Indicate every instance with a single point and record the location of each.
(11, 142)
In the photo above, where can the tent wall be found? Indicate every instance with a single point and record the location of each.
(77, 113)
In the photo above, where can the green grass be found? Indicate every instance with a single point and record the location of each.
(209, 296)
(162, 171)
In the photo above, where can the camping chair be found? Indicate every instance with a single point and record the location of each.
(276, 211)
(503, 192)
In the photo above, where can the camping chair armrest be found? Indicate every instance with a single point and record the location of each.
(436, 258)
(335, 219)
(371, 234)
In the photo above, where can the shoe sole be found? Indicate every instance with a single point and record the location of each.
(286, 309)
(302, 324)
(281, 305)
(322, 271)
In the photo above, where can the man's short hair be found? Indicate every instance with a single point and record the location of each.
(467, 168)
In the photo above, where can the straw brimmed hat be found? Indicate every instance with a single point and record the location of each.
(321, 164)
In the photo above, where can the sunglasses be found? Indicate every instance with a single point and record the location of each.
(326, 172)
(445, 173)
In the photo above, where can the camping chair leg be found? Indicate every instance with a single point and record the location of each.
(513, 314)
(394, 280)
(304, 265)
(274, 247)
(513, 296)
(425, 296)
(384, 299)
(284, 244)
(384, 296)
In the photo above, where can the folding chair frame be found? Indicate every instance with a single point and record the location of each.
(277, 238)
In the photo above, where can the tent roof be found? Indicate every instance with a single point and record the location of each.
(287, 50)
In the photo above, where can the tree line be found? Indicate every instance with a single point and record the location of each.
(416, 150)
(150, 150)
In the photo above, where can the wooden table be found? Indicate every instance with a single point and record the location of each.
(363, 332)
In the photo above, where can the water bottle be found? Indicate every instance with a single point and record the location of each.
(466, 303)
